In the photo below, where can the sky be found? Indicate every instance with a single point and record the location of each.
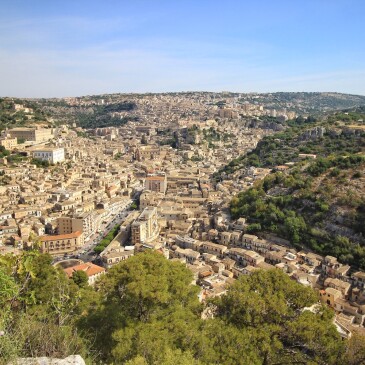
(52, 48)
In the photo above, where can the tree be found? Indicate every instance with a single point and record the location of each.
(294, 226)
(169, 357)
(80, 278)
(149, 306)
(99, 249)
(38, 308)
(272, 308)
(253, 228)
(355, 354)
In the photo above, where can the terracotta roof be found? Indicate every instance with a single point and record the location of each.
(89, 268)
(61, 236)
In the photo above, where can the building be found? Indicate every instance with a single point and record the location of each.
(145, 228)
(187, 254)
(52, 155)
(213, 248)
(157, 183)
(114, 257)
(87, 223)
(61, 244)
(32, 134)
(333, 268)
(9, 143)
(246, 257)
(92, 271)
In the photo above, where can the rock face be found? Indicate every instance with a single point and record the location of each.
(312, 134)
(70, 360)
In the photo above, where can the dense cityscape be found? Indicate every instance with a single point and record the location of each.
(182, 182)
(94, 198)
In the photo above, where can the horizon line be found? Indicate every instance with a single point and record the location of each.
(183, 92)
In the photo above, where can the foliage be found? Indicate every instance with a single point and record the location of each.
(4, 152)
(321, 165)
(134, 206)
(38, 302)
(80, 278)
(150, 314)
(149, 306)
(297, 210)
(286, 145)
(107, 239)
(20, 140)
(10, 117)
(40, 163)
(146, 311)
(270, 307)
(356, 350)
(99, 116)
(117, 156)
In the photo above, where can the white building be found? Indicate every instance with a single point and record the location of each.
(52, 155)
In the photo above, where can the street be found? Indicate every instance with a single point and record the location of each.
(86, 253)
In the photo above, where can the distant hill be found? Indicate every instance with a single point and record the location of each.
(314, 103)
(337, 133)
(117, 109)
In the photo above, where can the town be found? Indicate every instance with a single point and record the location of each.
(94, 197)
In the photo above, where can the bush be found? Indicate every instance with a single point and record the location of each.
(356, 175)
(335, 172)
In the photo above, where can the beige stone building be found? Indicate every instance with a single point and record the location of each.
(32, 134)
(85, 223)
(156, 183)
(61, 244)
(9, 143)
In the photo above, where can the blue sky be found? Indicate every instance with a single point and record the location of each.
(72, 48)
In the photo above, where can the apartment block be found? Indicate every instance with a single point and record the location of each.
(61, 244)
(85, 223)
(145, 229)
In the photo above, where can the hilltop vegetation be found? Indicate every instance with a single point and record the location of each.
(93, 115)
(27, 113)
(314, 103)
(146, 311)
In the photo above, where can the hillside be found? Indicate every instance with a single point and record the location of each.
(20, 113)
(316, 203)
(89, 113)
(314, 103)
(117, 109)
(338, 133)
